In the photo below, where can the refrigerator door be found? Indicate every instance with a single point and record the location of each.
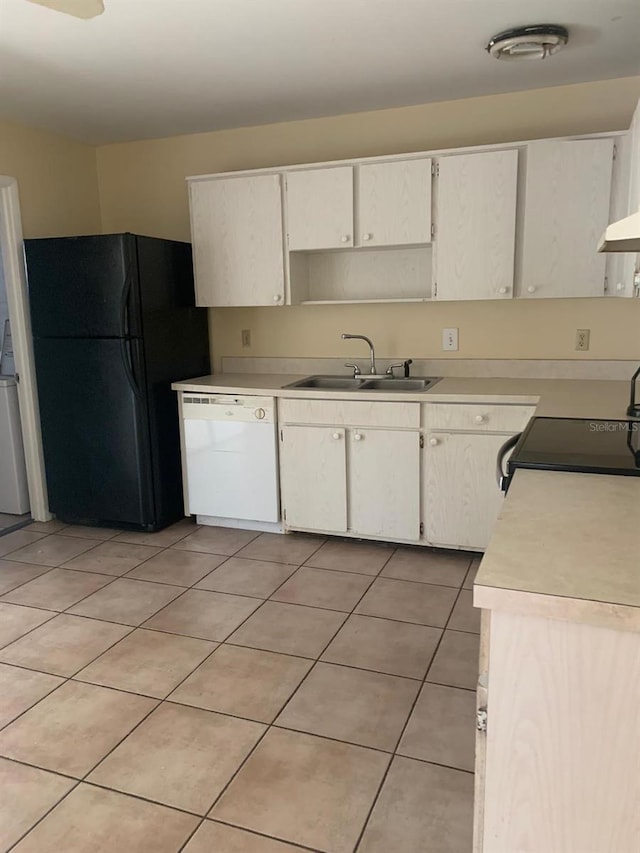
(83, 287)
(95, 430)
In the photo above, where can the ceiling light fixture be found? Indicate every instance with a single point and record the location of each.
(533, 42)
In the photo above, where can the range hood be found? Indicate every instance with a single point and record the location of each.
(622, 236)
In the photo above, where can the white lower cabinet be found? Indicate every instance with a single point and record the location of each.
(359, 474)
(383, 477)
(313, 477)
(461, 499)
(357, 468)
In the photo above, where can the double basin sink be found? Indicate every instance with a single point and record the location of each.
(362, 383)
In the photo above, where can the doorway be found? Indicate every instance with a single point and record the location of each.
(20, 358)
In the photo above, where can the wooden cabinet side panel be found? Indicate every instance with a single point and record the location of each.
(394, 203)
(568, 191)
(236, 227)
(320, 208)
(563, 740)
(475, 225)
(461, 499)
(313, 477)
(384, 483)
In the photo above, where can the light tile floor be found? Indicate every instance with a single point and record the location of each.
(9, 522)
(219, 691)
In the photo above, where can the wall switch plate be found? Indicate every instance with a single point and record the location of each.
(246, 337)
(450, 339)
(582, 339)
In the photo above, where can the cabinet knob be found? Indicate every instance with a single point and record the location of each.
(260, 414)
(367, 236)
(357, 436)
(337, 435)
(277, 297)
(531, 289)
(434, 441)
(503, 290)
(344, 238)
(479, 419)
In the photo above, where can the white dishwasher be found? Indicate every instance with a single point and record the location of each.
(231, 453)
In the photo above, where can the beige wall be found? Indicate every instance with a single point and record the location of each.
(57, 181)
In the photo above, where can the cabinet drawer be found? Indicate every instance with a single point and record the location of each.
(350, 413)
(478, 417)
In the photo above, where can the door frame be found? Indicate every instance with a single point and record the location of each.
(15, 276)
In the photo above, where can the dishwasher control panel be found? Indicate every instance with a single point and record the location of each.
(220, 407)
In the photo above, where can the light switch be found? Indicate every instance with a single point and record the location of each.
(450, 339)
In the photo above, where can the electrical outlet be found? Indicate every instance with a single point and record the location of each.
(246, 337)
(450, 339)
(582, 339)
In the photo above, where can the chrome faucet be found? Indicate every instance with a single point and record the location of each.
(346, 337)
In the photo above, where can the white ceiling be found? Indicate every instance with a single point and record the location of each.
(161, 67)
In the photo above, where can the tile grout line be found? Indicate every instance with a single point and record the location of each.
(415, 702)
(262, 736)
(260, 835)
(219, 644)
(155, 707)
(272, 725)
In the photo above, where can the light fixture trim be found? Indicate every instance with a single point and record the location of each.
(536, 41)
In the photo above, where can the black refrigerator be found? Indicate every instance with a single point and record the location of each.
(114, 323)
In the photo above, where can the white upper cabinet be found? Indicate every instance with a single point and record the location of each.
(566, 209)
(236, 228)
(394, 203)
(320, 208)
(475, 225)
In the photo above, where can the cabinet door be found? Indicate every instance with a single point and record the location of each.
(461, 499)
(313, 477)
(384, 483)
(566, 210)
(320, 208)
(394, 203)
(622, 267)
(475, 225)
(236, 228)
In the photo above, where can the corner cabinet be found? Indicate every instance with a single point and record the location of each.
(566, 209)
(236, 228)
(351, 468)
(460, 497)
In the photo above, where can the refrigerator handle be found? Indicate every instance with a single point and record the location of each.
(124, 307)
(127, 360)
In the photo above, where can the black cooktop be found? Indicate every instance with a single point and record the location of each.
(572, 444)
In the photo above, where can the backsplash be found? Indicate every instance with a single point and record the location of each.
(480, 368)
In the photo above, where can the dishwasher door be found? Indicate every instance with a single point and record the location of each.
(232, 457)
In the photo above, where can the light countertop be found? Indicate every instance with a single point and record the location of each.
(566, 546)
(568, 398)
(573, 540)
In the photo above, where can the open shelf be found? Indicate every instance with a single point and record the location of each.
(346, 276)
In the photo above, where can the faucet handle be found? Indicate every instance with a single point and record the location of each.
(391, 368)
(356, 370)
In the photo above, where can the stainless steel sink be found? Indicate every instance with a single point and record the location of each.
(344, 383)
(328, 383)
(415, 384)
